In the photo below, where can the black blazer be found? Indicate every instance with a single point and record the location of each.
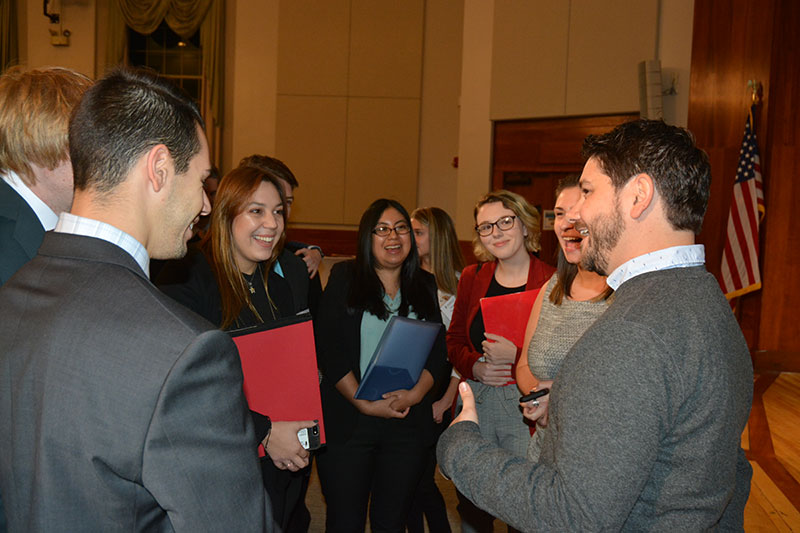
(21, 233)
(191, 282)
(338, 338)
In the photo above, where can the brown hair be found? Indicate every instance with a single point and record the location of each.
(235, 190)
(446, 257)
(35, 106)
(527, 215)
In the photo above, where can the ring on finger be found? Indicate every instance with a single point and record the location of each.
(535, 403)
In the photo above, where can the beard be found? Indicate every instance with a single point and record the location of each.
(604, 234)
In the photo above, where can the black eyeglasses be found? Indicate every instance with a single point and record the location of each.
(502, 223)
(384, 231)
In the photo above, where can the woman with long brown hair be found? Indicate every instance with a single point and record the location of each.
(569, 303)
(239, 278)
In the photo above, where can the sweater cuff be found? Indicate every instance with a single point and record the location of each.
(317, 248)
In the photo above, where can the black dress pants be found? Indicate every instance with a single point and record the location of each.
(285, 490)
(379, 467)
(428, 501)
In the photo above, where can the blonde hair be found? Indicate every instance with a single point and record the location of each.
(235, 190)
(35, 106)
(526, 214)
(445, 253)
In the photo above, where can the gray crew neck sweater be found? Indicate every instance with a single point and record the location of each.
(646, 416)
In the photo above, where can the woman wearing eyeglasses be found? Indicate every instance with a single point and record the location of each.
(376, 450)
(506, 235)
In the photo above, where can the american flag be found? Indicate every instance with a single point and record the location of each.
(740, 273)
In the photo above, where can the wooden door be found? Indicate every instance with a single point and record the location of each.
(530, 156)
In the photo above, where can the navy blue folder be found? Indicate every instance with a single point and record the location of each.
(399, 358)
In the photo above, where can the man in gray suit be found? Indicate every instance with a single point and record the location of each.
(119, 409)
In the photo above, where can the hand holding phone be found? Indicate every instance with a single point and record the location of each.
(533, 395)
(309, 437)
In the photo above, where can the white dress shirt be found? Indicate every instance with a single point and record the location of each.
(674, 257)
(47, 217)
(77, 225)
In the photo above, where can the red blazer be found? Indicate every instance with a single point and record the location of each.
(474, 282)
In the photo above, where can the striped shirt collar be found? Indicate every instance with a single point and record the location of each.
(674, 257)
(77, 225)
(47, 217)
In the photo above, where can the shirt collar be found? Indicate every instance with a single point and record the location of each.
(674, 257)
(77, 225)
(47, 217)
(276, 267)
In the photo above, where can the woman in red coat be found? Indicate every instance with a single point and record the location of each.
(507, 234)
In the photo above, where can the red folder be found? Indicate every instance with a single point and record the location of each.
(508, 315)
(279, 363)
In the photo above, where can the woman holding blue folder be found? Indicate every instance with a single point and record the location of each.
(376, 450)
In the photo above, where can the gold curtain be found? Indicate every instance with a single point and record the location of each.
(9, 40)
(184, 17)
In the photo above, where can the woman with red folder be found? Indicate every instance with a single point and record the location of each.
(239, 278)
(506, 235)
(376, 450)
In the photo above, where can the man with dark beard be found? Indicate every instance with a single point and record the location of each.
(648, 408)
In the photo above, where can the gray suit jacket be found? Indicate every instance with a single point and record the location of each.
(120, 410)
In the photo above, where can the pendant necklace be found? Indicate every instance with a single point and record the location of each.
(249, 279)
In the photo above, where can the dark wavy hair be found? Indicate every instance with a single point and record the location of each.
(366, 292)
(668, 154)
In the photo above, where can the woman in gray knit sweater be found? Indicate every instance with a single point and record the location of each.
(570, 302)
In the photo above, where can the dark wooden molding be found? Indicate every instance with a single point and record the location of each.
(339, 242)
(775, 361)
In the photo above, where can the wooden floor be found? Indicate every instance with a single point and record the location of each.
(771, 440)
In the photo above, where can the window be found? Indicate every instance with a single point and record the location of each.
(174, 58)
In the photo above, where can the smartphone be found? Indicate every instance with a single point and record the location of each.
(533, 395)
(309, 437)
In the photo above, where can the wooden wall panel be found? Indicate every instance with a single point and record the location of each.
(530, 156)
(735, 41)
(781, 242)
(732, 43)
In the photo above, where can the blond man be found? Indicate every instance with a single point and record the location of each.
(35, 169)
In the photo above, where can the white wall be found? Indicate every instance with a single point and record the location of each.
(580, 57)
(368, 99)
(441, 90)
(675, 53)
(349, 96)
(78, 17)
(475, 128)
(251, 59)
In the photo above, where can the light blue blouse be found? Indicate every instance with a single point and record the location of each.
(372, 329)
